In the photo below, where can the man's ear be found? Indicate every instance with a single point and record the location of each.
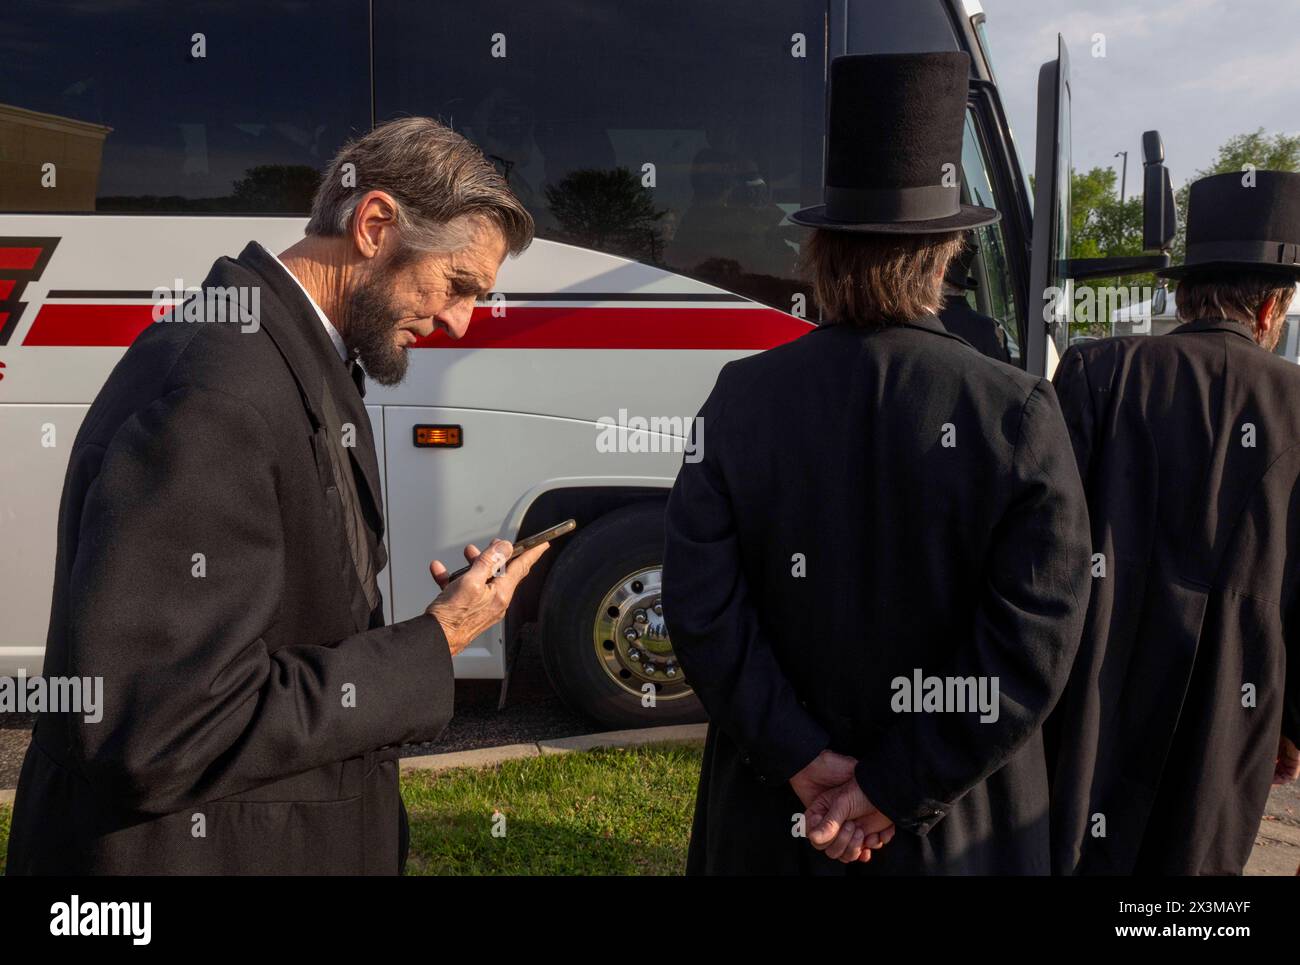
(1264, 318)
(374, 223)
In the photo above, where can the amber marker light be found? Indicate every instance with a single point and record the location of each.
(438, 437)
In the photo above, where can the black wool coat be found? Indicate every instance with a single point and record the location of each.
(1189, 447)
(982, 331)
(253, 699)
(929, 497)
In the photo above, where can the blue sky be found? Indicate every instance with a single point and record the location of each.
(1199, 71)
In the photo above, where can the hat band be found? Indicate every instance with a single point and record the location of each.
(928, 202)
(1261, 252)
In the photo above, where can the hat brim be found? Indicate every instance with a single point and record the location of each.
(1263, 267)
(970, 216)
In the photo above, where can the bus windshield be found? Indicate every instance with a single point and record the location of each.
(981, 31)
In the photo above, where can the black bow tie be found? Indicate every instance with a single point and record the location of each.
(358, 377)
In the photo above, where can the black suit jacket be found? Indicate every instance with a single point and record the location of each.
(253, 698)
(960, 560)
(982, 331)
(1189, 446)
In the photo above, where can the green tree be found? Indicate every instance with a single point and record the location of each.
(1103, 227)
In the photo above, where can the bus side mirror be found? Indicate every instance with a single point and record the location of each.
(1159, 221)
(1159, 216)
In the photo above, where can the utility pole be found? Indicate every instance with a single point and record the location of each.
(1123, 178)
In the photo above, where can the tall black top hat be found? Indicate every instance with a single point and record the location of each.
(1243, 221)
(893, 154)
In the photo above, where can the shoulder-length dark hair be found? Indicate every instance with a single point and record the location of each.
(869, 279)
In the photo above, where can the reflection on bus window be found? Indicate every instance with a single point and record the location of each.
(678, 134)
(994, 294)
(113, 107)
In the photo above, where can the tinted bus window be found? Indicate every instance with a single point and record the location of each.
(177, 105)
(678, 133)
(899, 26)
(991, 265)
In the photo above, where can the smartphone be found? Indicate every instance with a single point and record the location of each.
(524, 545)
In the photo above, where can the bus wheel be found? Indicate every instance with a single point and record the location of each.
(603, 642)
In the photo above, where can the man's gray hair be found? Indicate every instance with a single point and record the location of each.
(441, 182)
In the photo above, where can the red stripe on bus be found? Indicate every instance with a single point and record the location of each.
(85, 326)
(522, 327)
(23, 259)
(6, 289)
(625, 328)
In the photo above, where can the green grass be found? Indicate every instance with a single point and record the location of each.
(604, 812)
(595, 813)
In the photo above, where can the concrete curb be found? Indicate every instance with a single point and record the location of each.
(489, 756)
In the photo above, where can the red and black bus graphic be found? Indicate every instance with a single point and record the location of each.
(698, 320)
(21, 260)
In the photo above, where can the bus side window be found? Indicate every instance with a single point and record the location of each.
(995, 295)
(178, 105)
(679, 134)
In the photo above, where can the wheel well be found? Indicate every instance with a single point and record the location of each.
(586, 504)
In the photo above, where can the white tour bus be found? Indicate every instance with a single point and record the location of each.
(660, 148)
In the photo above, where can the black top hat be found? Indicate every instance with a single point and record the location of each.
(894, 138)
(1243, 221)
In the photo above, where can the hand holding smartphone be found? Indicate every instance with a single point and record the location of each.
(524, 545)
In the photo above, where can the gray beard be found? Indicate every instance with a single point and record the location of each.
(370, 327)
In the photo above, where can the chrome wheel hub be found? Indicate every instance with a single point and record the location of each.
(631, 640)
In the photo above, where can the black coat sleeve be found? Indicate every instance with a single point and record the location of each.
(1074, 391)
(713, 623)
(1027, 628)
(196, 707)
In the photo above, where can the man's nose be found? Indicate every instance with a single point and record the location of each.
(457, 318)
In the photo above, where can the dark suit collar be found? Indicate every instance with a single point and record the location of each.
(926, 323)
(932, 324)
(290, 320)
(295, 329)
(1215, 325)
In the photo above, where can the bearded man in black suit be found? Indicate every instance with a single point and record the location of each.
(254, 704)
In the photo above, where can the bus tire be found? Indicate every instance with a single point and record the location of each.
(602, 639)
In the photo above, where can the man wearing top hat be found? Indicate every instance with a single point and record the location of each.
(1189, 447)
(878, 505)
